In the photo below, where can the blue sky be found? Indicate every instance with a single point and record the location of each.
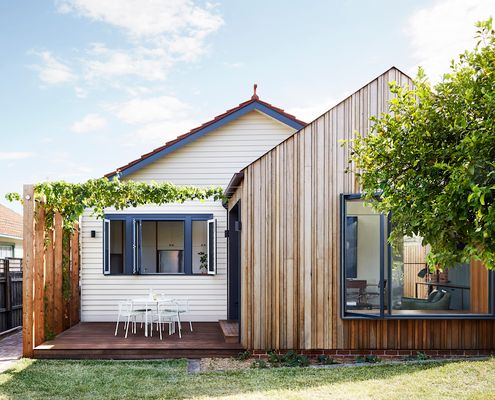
(88, 85)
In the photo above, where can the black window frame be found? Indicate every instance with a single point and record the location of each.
(132, 264)
(388, 314)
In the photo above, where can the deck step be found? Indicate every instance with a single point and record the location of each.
(230, 330)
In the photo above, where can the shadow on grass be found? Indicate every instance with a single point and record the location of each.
(44, 379)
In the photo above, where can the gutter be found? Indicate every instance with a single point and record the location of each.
(233, 184)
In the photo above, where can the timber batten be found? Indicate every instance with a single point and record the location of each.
(290, 268)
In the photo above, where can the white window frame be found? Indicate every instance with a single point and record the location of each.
(106, 247)
(212, 269)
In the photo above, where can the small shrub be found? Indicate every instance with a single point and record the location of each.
(243, 355)
(323, 359)
(292, 359)
(372, 359)
(420, 356)
(261, 364)
(274, 358)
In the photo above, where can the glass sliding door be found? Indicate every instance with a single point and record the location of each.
(364, 257)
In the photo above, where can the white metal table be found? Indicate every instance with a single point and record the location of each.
(148, 302)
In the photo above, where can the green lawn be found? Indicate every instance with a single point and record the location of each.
(169, 380)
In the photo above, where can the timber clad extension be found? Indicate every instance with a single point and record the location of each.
(291, 250)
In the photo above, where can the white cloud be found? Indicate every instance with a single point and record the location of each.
(104, 63)
(161, 34)
(53, 71)
(159, 119)
(14, 155)
(234, 65)
(90, 123)
(149, 19)
(439, 32)
(81, 92)
(151, 109)
(310, 111)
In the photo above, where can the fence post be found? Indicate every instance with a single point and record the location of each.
(27, 276)
(8, 294)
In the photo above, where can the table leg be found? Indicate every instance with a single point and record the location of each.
(146, 322)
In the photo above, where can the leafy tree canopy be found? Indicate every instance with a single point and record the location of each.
(432, 157)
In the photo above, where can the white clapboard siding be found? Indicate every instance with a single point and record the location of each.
(210, 160)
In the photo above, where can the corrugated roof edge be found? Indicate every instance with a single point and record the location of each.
(218, 121)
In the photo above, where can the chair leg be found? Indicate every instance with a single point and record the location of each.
(127, 325)
(179, 325)
(117, 325)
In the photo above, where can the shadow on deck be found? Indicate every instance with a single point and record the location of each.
(96, 340)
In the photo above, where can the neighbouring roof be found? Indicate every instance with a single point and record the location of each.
(10, 223)
(253, 104)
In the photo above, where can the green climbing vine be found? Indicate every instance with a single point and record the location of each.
(71, 199)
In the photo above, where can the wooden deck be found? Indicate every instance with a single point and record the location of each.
(96, 340)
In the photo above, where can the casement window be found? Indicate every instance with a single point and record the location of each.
(159, 244)
(380, 279)
(6, 250)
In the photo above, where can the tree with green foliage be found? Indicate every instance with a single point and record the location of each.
(432, 158)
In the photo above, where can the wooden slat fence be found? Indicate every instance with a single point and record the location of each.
(51, 295)
(10, 294)
(414, 261)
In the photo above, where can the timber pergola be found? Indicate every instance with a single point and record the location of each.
(51, 295)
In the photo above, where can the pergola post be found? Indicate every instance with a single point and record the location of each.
(28, 271)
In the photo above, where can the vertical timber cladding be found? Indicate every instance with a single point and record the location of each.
(290, 272)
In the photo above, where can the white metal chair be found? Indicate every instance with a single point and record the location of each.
(166, 313)
(146, 309)
(183, 308)
(127, 312)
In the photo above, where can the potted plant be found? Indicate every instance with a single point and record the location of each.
(203, 262)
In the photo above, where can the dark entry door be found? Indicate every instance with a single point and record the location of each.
(234, 267)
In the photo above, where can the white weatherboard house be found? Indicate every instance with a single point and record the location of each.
(178, 249)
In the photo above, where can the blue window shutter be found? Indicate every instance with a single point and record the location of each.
(106, 247)
(212, 246)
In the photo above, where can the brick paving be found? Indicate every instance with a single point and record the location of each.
(10, 350)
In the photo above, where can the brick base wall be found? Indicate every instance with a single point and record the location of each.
(384, 354)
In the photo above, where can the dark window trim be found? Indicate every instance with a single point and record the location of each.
(387, 314)
(128, 218)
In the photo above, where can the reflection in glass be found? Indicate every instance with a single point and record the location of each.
(363, 257)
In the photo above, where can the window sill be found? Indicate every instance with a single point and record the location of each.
(159, 274)
(418, 317)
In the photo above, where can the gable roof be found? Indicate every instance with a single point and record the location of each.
(253, 104)
(10, 223)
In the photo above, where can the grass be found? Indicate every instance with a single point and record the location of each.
(169, 380)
